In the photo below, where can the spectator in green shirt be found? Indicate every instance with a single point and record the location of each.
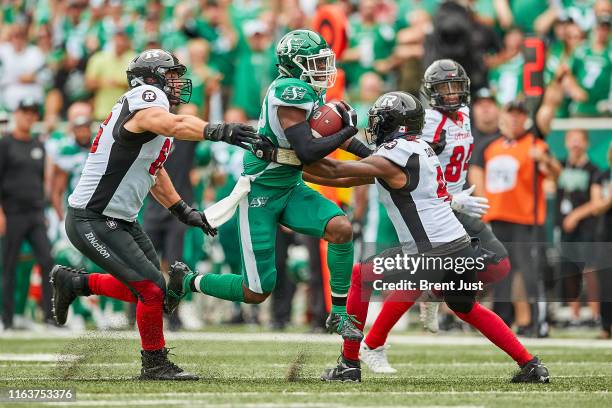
(506, 68)
(105, 74)
(213, 24)
(519, 13)
(256, 67)
(368, 41)
(591, 67)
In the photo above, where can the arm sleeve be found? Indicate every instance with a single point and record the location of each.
(310, 149)
(359, 149)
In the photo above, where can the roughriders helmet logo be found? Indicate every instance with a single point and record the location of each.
(390, 145)
(387, 101)
(149, 96)
(293, 93)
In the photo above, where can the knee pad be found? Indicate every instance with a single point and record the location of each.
(460, 301)
(494, 272)
(148, 292)
(460, 306)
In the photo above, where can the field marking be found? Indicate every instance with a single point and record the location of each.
(336, 393)
(44, 357)
(305, 338)
(49, 363)
(282, 378)
(191, 403)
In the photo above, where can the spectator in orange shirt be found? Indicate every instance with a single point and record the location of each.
(517, 203)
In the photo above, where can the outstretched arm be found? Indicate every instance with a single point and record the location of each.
(370, 167)
(188, 127)
(337, 182)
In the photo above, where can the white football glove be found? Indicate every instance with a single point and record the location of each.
(465, 203)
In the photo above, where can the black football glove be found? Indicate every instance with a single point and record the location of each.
(348, 114)
(193, 217)
(232, 133)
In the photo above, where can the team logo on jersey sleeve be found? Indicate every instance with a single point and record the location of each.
(149, 96)
(293, 93)
(390, 145)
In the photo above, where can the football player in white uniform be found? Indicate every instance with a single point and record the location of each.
(124, 164)
(410, 180)
(446, 87)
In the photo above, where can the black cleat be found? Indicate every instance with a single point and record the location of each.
(177, 285)
(67, 283)
(346, 370)
(156, 366)
(532, 371)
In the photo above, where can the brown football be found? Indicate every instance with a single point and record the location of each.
(326, 120)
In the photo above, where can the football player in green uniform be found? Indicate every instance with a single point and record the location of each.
(278, 193)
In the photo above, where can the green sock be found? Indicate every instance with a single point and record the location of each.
(227, 286)
(340, 264)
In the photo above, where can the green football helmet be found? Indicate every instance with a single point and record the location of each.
(305, 55)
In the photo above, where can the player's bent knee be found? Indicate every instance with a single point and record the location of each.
(148, 291)
(254, 297)
(458, 305)
(339, 230)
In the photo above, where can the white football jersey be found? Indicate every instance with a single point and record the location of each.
(455, 144)
(121, 166)
(419, 211)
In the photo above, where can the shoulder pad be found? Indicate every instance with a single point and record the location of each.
(398, 150)
(433, 121)
(292, 92)
(146, 96)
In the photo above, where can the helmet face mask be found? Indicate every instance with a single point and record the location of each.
(162, 70)
(305, 55)
(320, 70)
(446, 85)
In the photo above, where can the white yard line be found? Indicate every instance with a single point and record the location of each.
(426, 340)
(42, 357)
(29, 362)
(330, 393)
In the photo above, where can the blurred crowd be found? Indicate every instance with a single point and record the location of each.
(67, 58)
(63, 51)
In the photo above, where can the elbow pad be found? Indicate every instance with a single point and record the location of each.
(310, 149)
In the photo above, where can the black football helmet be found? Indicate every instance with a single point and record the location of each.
(446, 86)
(150, 68)
(394, 114)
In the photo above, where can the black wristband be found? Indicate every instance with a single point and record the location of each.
(179, 208)
(358, 149)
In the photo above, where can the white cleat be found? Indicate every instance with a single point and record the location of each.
(376, 359)
(189, 315)
(429, 314)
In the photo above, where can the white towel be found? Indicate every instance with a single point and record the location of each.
(220, 212)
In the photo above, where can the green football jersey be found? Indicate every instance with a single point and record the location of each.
(283, 91)
(71, 158)
(592, 70)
